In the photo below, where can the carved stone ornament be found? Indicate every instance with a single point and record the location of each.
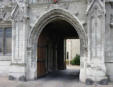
(96, 40)
(92, 2)
(2, 13)
(17, 14)
(20, 3)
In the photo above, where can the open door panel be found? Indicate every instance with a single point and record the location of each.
(42, 56)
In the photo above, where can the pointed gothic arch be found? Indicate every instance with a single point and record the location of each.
(42, 21)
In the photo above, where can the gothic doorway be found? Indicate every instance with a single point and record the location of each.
(49, 33)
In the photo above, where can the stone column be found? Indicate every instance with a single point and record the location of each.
(96, 71)
(18, 67)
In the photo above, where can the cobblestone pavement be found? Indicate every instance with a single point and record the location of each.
(64, 78)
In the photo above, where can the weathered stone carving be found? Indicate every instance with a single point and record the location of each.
(21, 3)
(2, 13)
(5, 10)
(17, 14)
(96, 40)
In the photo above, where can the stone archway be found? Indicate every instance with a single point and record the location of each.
(31, 69)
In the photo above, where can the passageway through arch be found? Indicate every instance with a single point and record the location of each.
(60, 23)
(51, 47)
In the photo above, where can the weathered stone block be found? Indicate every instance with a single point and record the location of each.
(89, 82)
(103, 82)
(22, 78)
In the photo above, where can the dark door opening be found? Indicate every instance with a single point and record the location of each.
(51, 46)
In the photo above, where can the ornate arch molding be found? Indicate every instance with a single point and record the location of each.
(39, 25)
(53, 15)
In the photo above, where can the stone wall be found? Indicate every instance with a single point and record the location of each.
(75, 7)
(109, 39)
(5, 22)
(27, 18)
(4, 68)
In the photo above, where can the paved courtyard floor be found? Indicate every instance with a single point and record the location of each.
(64, 78)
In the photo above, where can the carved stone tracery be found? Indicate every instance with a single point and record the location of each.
(96, 40)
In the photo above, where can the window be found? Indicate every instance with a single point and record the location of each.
(5, 41)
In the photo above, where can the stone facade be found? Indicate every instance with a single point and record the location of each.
(92, 19)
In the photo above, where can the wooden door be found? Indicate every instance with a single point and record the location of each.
(42, 56)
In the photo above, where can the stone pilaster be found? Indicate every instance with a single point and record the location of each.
(18, 66)
(96, 71)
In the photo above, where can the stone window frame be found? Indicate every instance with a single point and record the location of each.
(5, 57)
